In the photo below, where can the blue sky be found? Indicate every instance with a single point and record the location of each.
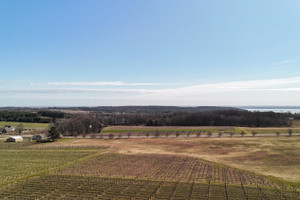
(133, 52)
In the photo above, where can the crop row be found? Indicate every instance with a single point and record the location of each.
(78, 187)
(18, 145)
(164, 167)
(166, 134)
(18, 163)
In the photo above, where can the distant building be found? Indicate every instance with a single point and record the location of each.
(39, 137)
(9, 129)
(14, 139)
(120, 121)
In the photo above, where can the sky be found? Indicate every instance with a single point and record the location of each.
(154, 52)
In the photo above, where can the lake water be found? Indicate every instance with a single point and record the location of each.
(278, 110)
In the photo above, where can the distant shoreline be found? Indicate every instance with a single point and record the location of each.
(279, 109)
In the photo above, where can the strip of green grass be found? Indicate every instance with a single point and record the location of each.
(25, 124)
(267, 131)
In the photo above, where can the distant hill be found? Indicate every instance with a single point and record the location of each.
(124, 109)
(149, 109)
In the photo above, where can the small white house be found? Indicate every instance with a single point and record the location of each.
(9, 129)
(14, 139)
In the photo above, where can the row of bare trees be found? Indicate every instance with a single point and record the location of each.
(187, 134)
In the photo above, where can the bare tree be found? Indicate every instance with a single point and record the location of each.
(220, 133)
(277, 133)
(187, 134)
(254, 133)
(209, 134)
(157, 133)
(290, 132)
(20, 128)
(198, 133)
(83, 134)
(167, 134)
(243, 133)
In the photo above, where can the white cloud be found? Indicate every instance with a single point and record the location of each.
(236, 86)
(75, 90)
(244, 85)
(115, 83)
(253, 92)
(285, 89)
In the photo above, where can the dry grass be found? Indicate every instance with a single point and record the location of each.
(271, 130)
(296, 123)
(279, 157)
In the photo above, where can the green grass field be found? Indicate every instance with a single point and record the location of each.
(19, 161)
(26, 125)
(194, 130)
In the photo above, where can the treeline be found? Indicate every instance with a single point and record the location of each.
(37, 117)
(297, 116)
(80, 124)
(210, 118)
(148, 109)
(52, 114)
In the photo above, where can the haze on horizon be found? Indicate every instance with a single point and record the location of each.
(171, 52)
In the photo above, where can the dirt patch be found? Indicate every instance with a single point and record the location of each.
(255, 156)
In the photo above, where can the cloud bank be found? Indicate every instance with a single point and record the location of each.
(287, 84)
(251, 92)
(115, 83)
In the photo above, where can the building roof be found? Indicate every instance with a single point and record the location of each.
(16, 137)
